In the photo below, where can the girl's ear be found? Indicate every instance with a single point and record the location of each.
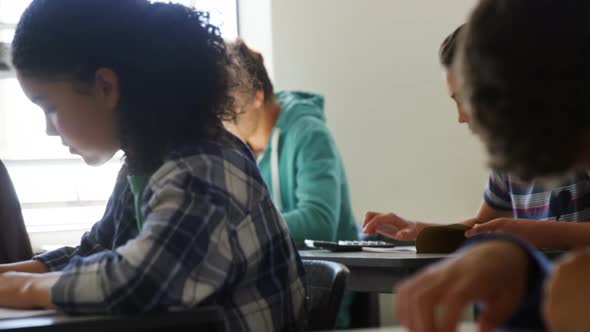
(107, 86)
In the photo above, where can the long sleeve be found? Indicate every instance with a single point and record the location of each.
(528, 315)
(90, 243)
(318, 187)
(149, 270)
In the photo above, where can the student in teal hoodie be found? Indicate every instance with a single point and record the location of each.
(296, 154)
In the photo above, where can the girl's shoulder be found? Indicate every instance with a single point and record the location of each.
(214, 161)
(222, 170)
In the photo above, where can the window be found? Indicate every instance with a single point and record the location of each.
(61, 197)
(224, 13)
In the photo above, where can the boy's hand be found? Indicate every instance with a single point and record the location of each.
(493, 273)
(391, 225)
(567, 292)
(523, 228)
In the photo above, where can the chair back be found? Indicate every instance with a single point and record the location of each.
(326, 283)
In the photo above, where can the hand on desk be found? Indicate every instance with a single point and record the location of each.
(391, 225)
(567, 292)
(523, 228)
(478, 274)
(394, 226)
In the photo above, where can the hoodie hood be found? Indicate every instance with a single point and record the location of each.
(296, 105)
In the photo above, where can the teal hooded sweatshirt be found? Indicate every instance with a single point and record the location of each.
(304, 171)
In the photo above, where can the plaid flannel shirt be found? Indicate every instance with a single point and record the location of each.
(211, 235)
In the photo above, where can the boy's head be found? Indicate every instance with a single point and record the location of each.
(447, 54)
(526, 72)
(138, 76)
(251, 88)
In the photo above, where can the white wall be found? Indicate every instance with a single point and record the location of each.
(255, 26)
(376, 62)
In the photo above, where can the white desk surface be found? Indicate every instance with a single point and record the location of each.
(6, 313)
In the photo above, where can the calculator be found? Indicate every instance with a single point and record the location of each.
(341, 246)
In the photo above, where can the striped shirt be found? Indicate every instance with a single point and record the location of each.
(210, 235)
(568, 200)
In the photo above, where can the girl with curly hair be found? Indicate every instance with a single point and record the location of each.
(151, 80)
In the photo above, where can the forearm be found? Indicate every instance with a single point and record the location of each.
(484, 214)
(468, 222)
(479, 220)
(305, 223)
(89, 285)
(27, 290)
(30, 266)
(560, 235)
(528, 314)
(128, 280)
(38, 290)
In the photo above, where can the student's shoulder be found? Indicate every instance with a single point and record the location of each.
(213, 161)
(309, 122)
(301, 111)
(306, 130)
(309, 133)
(220, 171)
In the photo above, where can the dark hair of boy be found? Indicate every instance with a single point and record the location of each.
(527, 79)
(167, 97)
(448, 48)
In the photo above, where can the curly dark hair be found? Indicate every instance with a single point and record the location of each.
(171, 64)
(448, 48)
(250, 73)
(526, 66)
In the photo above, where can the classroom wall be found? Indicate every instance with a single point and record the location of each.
(376, 63)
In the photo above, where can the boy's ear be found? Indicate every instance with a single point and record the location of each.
(107, 85)
(259, 98)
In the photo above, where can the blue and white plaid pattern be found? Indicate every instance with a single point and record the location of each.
(211, 235)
